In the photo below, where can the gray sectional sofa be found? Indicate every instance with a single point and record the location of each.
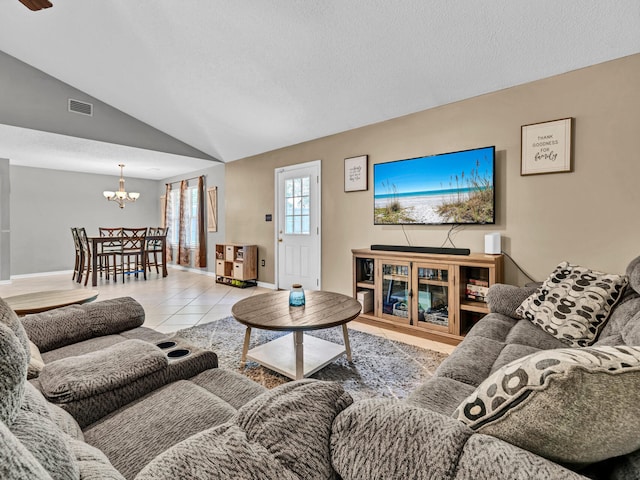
(420, 439)
(104, 388)
(111, 402)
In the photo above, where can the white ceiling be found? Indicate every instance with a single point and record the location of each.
(32, 148)
(238, 78)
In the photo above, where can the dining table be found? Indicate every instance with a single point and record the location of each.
(96, 241)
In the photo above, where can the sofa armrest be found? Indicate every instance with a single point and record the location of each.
(484, 456)
(75, 323)
(380, 439)
(92, 385)
(75, 378)
(505, 299)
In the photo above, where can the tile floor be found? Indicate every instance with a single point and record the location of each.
(182, 299)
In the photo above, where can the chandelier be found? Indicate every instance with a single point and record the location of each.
(121, 196)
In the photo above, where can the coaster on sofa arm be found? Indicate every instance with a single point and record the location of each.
(570, 405)
(574, 303)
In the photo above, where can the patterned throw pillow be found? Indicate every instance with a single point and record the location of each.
(574, 303)
(569, 405)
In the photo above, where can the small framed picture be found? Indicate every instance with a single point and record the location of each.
(546, 147)
(355, 173)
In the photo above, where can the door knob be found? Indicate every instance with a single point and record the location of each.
(279, 240)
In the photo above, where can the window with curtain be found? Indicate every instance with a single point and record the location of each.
(185, 215)
(191, 216)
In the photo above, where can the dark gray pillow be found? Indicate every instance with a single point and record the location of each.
(13, 374)
(281, 434)
(16, 462)
(47, 443)
(574, 303)
(570, 405)
(9, 318)
(36, 429)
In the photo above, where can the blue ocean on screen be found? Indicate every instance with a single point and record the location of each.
(428, 193)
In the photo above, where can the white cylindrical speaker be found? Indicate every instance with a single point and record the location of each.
(492, 243)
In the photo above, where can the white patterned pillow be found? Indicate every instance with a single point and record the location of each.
(574, 303)
(569, 405)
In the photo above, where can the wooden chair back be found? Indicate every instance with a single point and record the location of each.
(133, 239)
(115, 245)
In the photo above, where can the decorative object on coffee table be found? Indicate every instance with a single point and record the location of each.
(296, 296)
(37, 302)
(296, 355)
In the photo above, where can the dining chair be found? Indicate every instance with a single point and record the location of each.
(155, 246)
(78, 260)
(133, 246)
(108, 251)
(85, 246)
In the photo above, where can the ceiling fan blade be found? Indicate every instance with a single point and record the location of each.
(35, 5)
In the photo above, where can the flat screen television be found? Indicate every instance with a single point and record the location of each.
(450, 188)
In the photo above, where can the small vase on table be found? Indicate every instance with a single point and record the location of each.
(296, 296)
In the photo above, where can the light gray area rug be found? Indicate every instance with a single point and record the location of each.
(380, 367)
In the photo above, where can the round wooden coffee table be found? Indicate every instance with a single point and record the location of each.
(296, 355)
(37, 302)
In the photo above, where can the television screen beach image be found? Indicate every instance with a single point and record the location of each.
(451, 188)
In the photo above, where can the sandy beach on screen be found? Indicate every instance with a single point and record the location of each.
(420, 208)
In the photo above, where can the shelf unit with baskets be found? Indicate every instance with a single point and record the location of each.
(237, 264)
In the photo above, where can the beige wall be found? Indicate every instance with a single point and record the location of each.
(589, 216)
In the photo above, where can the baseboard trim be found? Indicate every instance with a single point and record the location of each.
(270, 286)
(191, 270)
(41, 274)
(170, 266)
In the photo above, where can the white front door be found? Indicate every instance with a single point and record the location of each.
(298, 246)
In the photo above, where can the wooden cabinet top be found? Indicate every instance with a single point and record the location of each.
(471, 259)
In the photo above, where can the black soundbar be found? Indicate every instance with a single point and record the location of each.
(437, 250)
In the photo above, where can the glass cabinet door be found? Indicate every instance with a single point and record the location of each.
(433, 300)
(396, 303)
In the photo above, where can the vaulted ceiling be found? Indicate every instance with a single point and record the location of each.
(238, 78)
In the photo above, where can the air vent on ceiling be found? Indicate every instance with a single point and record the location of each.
(84, 108)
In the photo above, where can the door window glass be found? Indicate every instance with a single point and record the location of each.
(297, 193)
